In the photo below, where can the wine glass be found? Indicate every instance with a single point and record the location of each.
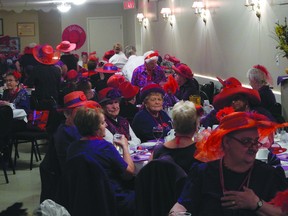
(157, 133)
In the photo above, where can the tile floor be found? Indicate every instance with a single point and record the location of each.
(25, 185)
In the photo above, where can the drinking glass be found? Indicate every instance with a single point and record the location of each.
(183, 214)
(157, 133)
(117, 136)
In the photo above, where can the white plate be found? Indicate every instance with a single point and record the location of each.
(148, 144)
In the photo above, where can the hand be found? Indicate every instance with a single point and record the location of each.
(246, 199)
(123, 142)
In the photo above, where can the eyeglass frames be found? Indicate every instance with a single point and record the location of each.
(247, 141)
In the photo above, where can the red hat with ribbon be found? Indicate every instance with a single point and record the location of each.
(74, 34)
(45, 54)
(108, 68)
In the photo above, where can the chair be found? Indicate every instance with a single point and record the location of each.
(158, 185)
(85, 188)
(6, 121)
(209, 90)
(203, 96)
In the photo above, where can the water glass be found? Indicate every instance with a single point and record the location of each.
(117, 137)
(157, 132)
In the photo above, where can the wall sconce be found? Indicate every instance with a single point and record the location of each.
(140, 17)
(64, 7)
(167, 15)
(200, 10)
(254, 4)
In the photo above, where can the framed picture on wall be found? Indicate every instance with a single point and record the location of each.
(1, 27)
(26, 29)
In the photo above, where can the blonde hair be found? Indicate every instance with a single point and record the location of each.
(184, 116)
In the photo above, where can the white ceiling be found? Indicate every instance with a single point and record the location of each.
(27, 3)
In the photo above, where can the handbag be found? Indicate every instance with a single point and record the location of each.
(37, 120)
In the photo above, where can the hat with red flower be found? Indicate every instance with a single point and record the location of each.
(232, 87)
(108, 94)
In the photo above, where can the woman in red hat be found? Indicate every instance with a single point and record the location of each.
(187, 84)
(233, 182)
(45, 77)
(149, 72)
(109, 98)
(70, 60)
(152, 114)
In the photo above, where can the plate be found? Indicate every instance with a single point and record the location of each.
(283, 157)
(148, 145)
(140, 157)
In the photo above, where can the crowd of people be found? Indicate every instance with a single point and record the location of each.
(126, 94)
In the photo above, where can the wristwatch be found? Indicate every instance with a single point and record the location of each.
(259, 205)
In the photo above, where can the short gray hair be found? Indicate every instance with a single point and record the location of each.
(257, 76)
(184, 116)
(129, 50)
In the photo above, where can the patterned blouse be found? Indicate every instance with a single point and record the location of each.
(141, 78)
(20, 100)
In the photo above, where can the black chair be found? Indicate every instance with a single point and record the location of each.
(209, 90)
(85, 188)
(158, 185)
(6, 121)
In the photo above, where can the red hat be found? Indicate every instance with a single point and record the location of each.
(265, 72)
(108, 94)
(71, 74)
(115, 80)
(17, 75)
(184, 70)
(171, 85)
(45, 54)
(128, 90)
(74, 99)
(153, 87)
(28, 50)
(107, 55)
(150, 55)
(75, 34)
(66, 46)
(210, 149)
(172, 59)
(108, 68)
(232, 87)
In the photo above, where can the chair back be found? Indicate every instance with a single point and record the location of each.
(6, 122)
(85, 188)
(158, 185)
(208, 88)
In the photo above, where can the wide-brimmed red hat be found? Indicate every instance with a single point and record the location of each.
(115, 80)
(153, 87)
(210, 148)
(183, 70)
(66, 46)
(75, 34)
(108, 94)
(232, 87)
(45, 54)
(128, 90)
(108, 68)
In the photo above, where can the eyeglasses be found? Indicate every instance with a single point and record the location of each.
(247, 141)
(9, 80)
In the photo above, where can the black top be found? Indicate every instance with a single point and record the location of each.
(70, 61)
(191, 87)
(184, 157)
(202, 192)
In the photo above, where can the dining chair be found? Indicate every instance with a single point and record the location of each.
(85, 188)
(158, 185)
(6, 121)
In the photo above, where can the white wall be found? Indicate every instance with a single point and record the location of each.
(232, 41)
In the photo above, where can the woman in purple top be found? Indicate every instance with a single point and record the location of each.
(91, 124)
(149, 72)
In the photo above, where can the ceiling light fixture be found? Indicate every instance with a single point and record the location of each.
(78, 2)
(64, 7)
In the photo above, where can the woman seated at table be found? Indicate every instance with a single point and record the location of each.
(15, 96)
(91, 125)
(181, 148)
(152, 115)
(109, 99)
(232, 182)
